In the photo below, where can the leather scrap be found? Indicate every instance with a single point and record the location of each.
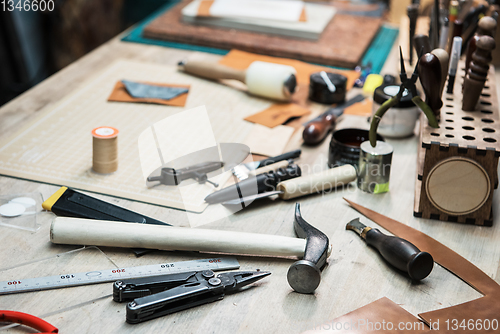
(278, 114)
(363, 108)
(120, 94)
(141, 90)
(383, 316)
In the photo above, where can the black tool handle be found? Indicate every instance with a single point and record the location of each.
(402, 254)
(78, 205)
(285, 156)
(429, 71)
(174, 300)
(317, 129)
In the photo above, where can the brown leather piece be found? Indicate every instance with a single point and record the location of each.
(466, 317)
(120, 94)
(382, 316)
(278, 114)
(363, 108)
(483, 309)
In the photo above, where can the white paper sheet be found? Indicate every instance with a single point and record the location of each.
(282, 10)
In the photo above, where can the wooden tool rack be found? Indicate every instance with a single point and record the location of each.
(457, 163)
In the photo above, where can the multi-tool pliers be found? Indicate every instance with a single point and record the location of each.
(156, 296)
(173, 177)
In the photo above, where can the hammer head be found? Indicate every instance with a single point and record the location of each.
(304, 275)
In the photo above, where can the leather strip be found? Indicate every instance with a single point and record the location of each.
(381, 316)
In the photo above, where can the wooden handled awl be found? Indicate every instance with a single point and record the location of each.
(444, 60)
(486, 26)
(421, 43)
(274, 81)
(400, 253)
(429, 71)
(412, 11)
(317, 129)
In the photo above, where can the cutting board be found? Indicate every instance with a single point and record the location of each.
(342, 44)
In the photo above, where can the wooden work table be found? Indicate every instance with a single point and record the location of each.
(356, 274)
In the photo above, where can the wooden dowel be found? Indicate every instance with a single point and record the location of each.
(77, 231)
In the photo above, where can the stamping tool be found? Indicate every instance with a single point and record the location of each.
(156, 296)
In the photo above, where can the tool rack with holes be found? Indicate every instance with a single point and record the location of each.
(457, 163)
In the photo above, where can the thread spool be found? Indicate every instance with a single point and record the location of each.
(104, 150)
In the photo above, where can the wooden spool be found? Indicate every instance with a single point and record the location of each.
(104, 150)
(457, 163)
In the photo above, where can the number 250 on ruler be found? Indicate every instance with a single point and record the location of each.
(111, 275)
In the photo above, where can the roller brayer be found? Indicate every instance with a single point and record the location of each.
(274, 81)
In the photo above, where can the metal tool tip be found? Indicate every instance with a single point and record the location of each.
(351, 225)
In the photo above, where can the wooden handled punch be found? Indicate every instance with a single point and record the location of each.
(486, 26)
(400, 253)
(421, 43)
(478, 72)
(316, 130)
(429, 72)
(274, 81)
(304, 275)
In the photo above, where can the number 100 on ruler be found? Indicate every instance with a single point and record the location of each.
(111, 275)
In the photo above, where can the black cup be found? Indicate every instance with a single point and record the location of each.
(344, 146)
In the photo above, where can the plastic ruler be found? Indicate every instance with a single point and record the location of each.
(111, 275)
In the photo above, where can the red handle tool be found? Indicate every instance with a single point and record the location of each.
(28, 320)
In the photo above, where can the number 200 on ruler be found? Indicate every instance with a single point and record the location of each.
(111, 275)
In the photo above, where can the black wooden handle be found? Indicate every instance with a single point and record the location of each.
(402, 254)
(285, 156)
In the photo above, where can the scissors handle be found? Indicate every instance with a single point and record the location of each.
(378, 116)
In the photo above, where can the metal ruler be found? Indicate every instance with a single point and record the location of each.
(111, 275)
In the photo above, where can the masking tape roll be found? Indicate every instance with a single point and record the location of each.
(104, 150)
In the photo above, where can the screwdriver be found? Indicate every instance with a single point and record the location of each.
(400, 253)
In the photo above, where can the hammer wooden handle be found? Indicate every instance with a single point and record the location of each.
(318, 182)
(78, 231)
(212, 71)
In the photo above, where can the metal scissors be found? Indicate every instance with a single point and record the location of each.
(156, 296)
(407, 84)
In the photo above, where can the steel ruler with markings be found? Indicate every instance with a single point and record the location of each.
(111, 275)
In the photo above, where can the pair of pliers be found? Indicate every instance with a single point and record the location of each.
(28, 320)
(407, 84)
(156, 296)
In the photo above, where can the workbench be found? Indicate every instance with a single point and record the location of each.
(356, 275)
